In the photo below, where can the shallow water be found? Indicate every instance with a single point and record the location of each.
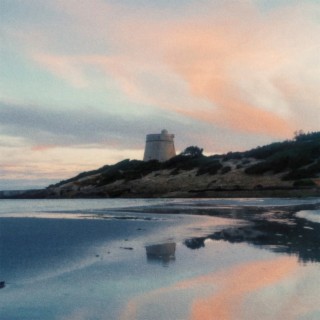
(156, 259)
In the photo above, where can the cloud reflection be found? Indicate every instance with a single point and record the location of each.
(234, 285)
(220, 295)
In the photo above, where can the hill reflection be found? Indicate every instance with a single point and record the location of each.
(276, 230)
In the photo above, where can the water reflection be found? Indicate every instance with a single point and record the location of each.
(277, 230)
(234, 285)
(163, 253)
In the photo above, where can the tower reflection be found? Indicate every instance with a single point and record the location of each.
(161, 253)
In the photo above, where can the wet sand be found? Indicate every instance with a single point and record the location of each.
(195, 259)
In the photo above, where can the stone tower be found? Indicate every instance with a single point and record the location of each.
(159, 147)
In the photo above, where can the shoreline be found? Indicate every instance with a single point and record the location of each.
(201, 193)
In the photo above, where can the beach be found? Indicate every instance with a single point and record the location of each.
(160, 259)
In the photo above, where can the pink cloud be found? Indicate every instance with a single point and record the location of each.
(63, 67)
(42, 147)
(223, 64)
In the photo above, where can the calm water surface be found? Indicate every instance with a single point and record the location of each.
(160, 259)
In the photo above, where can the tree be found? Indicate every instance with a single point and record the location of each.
(299, 135)
(192, 151)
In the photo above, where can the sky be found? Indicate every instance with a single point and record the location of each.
(83, 81)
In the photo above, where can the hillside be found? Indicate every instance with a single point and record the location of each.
(290, 167)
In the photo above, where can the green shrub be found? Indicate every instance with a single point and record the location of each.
(186, 162)
(211, 168)
(268, 150)
(193, 151)
(304, 183)
(225, 170)
(303, 173)
(82, 175)
(232, 156)
(259, 168)
(310, 136)
(174, 172)
(128, 170)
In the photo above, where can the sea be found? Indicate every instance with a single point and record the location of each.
(160, 259)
